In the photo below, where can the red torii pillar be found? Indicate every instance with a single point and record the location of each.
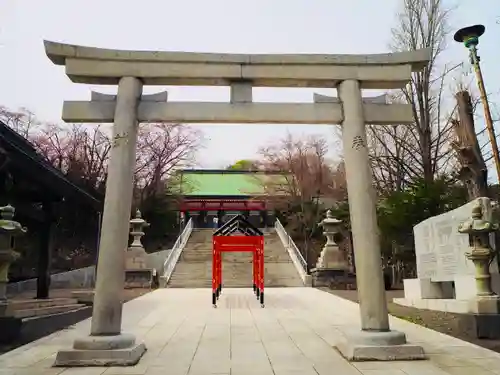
(253, 244)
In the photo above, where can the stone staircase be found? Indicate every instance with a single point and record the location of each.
(30, 319)
(194, 268)
(31, 308)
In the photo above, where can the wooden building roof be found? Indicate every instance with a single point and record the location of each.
(19, 157)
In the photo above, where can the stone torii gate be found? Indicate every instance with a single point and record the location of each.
(131, 70)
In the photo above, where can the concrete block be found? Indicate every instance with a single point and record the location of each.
(425, 289)
(359, 352)
(379, 346)
(118, 350)
(446, 305)
(485, 326)
(86, 358)
(334, 278)
(241, 92)
(465, 287)
(485, 305)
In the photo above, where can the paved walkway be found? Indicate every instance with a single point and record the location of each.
(294, 334)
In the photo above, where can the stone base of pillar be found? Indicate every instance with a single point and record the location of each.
(485, 318)
(484, 326)
(332, 257)
(333, 278)
(485, 304)
(379, 346)
(104, 351)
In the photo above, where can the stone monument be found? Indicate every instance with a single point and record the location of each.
(137, 274)
(446, 248)
(332, 267)
(131, 70)
(10, 326)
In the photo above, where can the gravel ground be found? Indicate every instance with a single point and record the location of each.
(448, 323)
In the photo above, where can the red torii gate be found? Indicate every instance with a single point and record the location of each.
(250, 240)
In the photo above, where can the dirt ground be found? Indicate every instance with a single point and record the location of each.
(448, 323)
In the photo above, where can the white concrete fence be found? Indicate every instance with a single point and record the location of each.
(173, 257)
(82, 277)
(294, 252)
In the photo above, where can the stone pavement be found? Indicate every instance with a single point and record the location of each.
(294, 334)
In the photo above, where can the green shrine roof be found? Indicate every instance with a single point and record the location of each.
(228, 183)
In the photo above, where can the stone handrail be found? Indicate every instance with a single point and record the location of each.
(173, 257)
(295, 254)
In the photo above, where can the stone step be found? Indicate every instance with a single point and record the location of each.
(42, 311)
(229, 276)
(194, 268)
(267, 251)
(231, 265)
(234, 284)
(208, 254)
(39, 303)
(237, 261)
(275, 284)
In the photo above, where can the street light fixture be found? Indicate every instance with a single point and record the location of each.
(315, 199)
(469, 36)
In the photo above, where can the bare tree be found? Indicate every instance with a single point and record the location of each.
(81, 151)
(307, 174)
(400, 154)
(162, 148)
(22, 121)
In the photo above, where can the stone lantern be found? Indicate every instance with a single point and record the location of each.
(137, 226)
(481, 252)
(8, 230)
(331, 258)
(137, 274)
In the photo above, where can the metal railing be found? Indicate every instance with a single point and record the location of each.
(173, 256)
(293, 251)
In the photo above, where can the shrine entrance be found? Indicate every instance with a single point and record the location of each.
(238, 235)
(131, 70)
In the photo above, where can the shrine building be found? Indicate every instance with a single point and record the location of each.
(207, 193)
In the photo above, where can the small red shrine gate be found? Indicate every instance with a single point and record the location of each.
(249, 239)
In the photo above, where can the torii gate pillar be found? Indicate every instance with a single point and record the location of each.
(105, 333)
(375, 341)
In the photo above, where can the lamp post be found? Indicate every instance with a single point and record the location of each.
(469, 36)
(315, 200)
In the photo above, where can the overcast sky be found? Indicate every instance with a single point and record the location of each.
(29, 79)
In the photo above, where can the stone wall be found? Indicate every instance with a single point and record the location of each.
(156, 260)
(82, 277)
